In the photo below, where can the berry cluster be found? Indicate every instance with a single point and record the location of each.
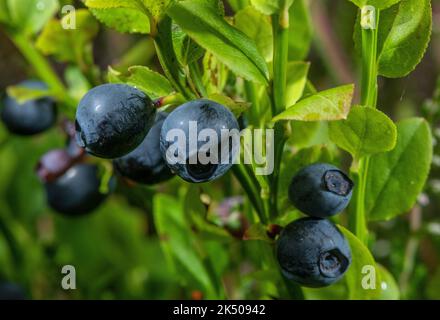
(312, 251)
(121, 123)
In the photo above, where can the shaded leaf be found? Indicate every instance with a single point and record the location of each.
(297, 72)
(257, 27)
(396, 178)
(143, 78)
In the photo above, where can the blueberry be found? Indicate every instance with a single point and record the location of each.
(11, 291)
(313, 252)
(320, 190)
(31, 117)
(77, 191)
(113, 119)
(145, 163)
(195, 161)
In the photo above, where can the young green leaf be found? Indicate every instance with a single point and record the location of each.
(65, 44)
(124, 20)
(270, 7)
(378, 4)
(154, 8)
(365, 132)
(396, 178)
(209, 29)
(257, 27)
(143, 78)
(363, 277)
(297, 72)
(237, 108)
(300, 30)
(329, 105)
(27, 16)
(404, 34)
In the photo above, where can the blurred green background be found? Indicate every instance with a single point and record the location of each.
(118, 252)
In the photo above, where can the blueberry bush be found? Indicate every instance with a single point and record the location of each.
(345, 91)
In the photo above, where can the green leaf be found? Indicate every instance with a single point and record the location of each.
(237, 108)
(360, 285)
(210, 30)
(366, 131)
(124, 20)
(175, 240)
(297, 72)
(300, 30)
(329, 105)
(388, 285)
(27, 16)
(378, 4)
(396, 178)
(187, 51)
(308, 134)
(257, 27)
(404, 34)
(270, 7)
(150, 82)
(238, 5)
(156, 9)
(106, 4)
(69, 45)
(23, 94)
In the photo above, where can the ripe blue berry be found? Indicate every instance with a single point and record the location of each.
(113, 119)
(320, 190)
(208, 116)
(313, 252)
(145, 163)
(31, 117)
(77, 191)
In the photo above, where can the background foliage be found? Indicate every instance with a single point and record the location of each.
(185, 241)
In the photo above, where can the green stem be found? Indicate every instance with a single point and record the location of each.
(251, 188)
(368, 98)
(280, 26)
(165, 51)
(42, 68)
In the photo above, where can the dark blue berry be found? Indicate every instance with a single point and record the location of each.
(113, 119)
(321, 190)
(145, 163)
(207, 115)
(313, 252)
(76, 192)
(31, 117)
